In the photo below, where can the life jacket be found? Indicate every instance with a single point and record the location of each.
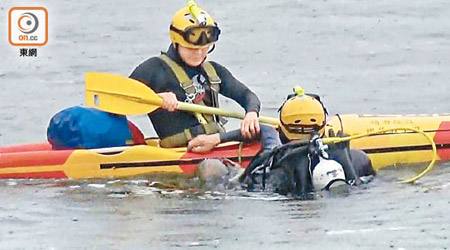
(210, 124)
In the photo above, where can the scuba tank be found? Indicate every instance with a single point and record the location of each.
(327, 172)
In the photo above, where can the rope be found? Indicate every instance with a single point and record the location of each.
(410, 180)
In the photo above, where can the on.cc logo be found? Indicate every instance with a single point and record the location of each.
(28, 26)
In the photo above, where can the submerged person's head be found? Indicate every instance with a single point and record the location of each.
(193, 32)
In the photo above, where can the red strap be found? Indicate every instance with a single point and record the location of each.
(136, 134)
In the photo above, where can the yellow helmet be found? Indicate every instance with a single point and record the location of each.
(300, 116)
(193, 27)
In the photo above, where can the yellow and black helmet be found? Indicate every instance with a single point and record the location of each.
(300, 116)
(193, 27)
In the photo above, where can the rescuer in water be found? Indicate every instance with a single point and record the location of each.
(302, 163)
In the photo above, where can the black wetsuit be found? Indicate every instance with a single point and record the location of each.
(287, 168)
(158, 76)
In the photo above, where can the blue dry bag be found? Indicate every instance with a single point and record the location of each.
(79, 127)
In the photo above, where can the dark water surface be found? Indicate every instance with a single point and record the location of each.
(378, 57)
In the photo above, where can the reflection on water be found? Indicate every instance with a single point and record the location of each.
(151, 212)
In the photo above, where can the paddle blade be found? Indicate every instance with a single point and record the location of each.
(119, 95)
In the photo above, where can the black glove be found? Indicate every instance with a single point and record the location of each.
(262, 158)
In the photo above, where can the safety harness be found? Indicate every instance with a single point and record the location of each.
(209, 124)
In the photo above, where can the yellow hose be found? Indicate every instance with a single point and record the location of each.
(410, 180)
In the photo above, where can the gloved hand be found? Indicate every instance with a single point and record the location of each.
(339, 145)
(345, 144)
(341, 153)
(259, 160)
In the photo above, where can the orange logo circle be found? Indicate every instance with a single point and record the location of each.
(28, 23)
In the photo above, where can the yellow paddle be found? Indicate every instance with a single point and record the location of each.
(121, 95)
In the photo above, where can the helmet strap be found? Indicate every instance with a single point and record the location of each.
(212, 49)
